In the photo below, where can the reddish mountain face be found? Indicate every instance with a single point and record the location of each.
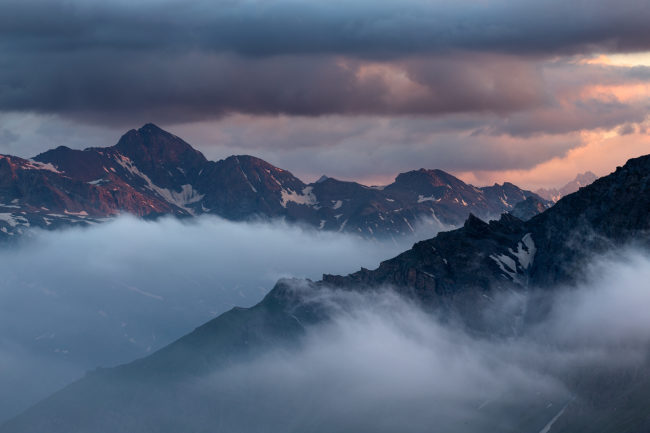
(151, 172)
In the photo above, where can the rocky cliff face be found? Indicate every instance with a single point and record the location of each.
(548, 249)
(151, 172)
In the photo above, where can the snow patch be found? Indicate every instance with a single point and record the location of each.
(507, 265)
(187, 195)
(409, 225)
(519, 260)
(525, 252)
(305, 198)
(422, 199)
(247, 181)
(83, 213)
(9, 219)
(35, 165)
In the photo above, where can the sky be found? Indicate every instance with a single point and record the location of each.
(490, 90)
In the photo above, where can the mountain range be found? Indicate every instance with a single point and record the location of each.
(554, 194)
(151, 173)
(457, 274)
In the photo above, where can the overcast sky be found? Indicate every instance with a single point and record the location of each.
(528, 91)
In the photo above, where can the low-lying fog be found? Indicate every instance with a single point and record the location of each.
(75, 299)
(384, 365)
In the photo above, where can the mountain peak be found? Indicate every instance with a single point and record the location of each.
(581, 180)
(585, 178)
(426, 177)
(155, 145)
(150, 127)
(475, 223)
(249, 161)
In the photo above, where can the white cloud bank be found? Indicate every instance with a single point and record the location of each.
(75, 299)
(384, 365)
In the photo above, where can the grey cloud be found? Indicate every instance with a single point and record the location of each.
(366, 147)
(8, 137)
(31, 134)
(380, 28)
(172, 61)
(76, 299)
(114, 87)
(110, 88)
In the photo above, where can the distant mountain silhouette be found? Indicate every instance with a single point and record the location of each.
(554, 194)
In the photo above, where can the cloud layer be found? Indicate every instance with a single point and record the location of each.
(180, 62)
(381, 28)
(76, 299)
(383, 364)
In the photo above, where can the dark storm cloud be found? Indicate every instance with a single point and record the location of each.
(363, 28)
(180, 87)
(114, 87)
(174, 61)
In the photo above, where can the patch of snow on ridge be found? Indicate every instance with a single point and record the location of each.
(9, 219)
(83, 213)
(306, 197)
(338, 204)
(35, 165)
(507, 265)
(30, 164)
(422, 199)
(187, 194)
(246, 177)
(525, 252)
(519, 259)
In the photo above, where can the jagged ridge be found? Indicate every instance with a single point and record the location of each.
(151, 172)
